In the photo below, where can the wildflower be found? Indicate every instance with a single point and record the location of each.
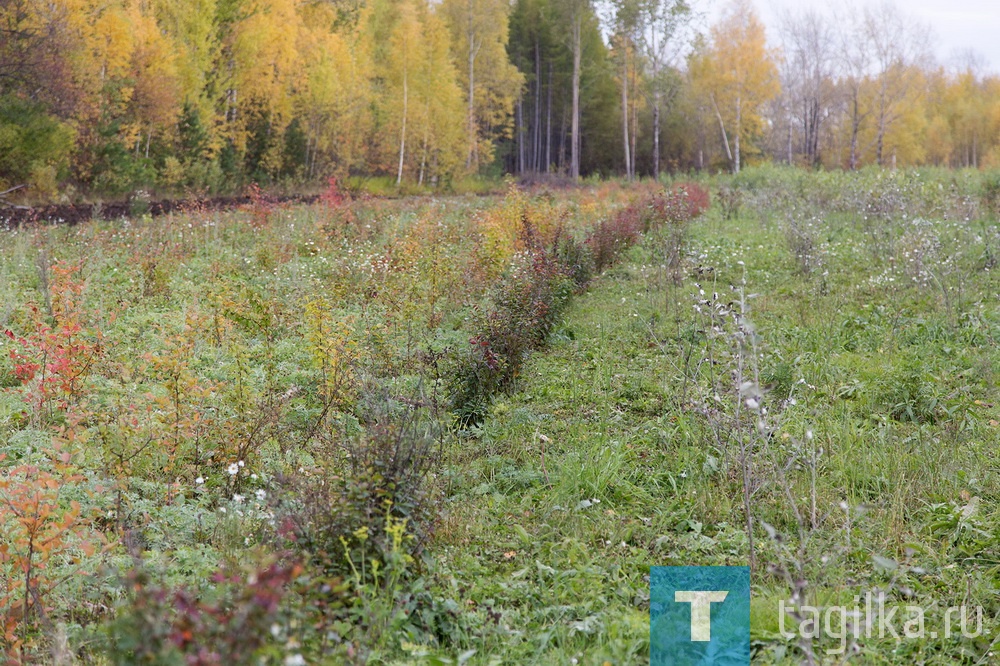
(233, 469)
(260, 494)
(238, 498)
(240, 463)
(200, 480)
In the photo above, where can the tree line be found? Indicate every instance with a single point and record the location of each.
(110, 96)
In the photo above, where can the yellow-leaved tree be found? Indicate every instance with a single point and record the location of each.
(155, 101)
(265, 68)
(191, 26)
(490, 81)
(335, 97)
(420, 104)
(736, 74)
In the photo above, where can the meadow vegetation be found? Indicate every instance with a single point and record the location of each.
(459, 431)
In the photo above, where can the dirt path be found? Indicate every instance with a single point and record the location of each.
(71, 214)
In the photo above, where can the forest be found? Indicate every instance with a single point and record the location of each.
(106, 98)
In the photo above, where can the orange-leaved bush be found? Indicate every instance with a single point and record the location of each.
(43, 532)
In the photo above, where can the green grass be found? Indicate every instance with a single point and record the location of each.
(898, 389)
(872, 332)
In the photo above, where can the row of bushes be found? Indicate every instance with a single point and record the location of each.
(528, 297)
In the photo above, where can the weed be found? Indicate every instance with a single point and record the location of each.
(338, 513)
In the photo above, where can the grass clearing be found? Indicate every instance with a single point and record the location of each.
(333, 433)
(882, 432)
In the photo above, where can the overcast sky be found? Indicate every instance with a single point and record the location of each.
(958, 25)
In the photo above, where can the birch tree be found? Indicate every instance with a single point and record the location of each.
(810, 50)
(899, 47)
(479, 32)
(663, 22)
(737, 74)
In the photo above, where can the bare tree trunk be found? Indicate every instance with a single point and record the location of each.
(656, 109)
(635, 122)
(880, 135)
(739, 130)
(789, 147)
(548, 124)
(880, 142)
(423, 157)
(625, 113)
(574, 169)
(656, 134)
(520, 136)
(814, 126)
(855, 129)
(472, 161)
(309, 152)
(402, 134)
(562, 140)
(536, 133)
(722, 128)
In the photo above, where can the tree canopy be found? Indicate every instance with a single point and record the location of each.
(207, 95)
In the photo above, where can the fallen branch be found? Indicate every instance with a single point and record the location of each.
(3, 198)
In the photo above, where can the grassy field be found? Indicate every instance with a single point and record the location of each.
(874, 468)
(462, 430)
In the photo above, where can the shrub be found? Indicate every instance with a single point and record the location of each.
(683, 203)
(539, 281)
(800, 234)
(575, 258)
(55, 359)
(613, 236)
(337, 212)
(990, 192)
(260, 206)
(228, 624)
(44, 534)
(525, 305)
(34, 146)
(731, 200)
(337, 513)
